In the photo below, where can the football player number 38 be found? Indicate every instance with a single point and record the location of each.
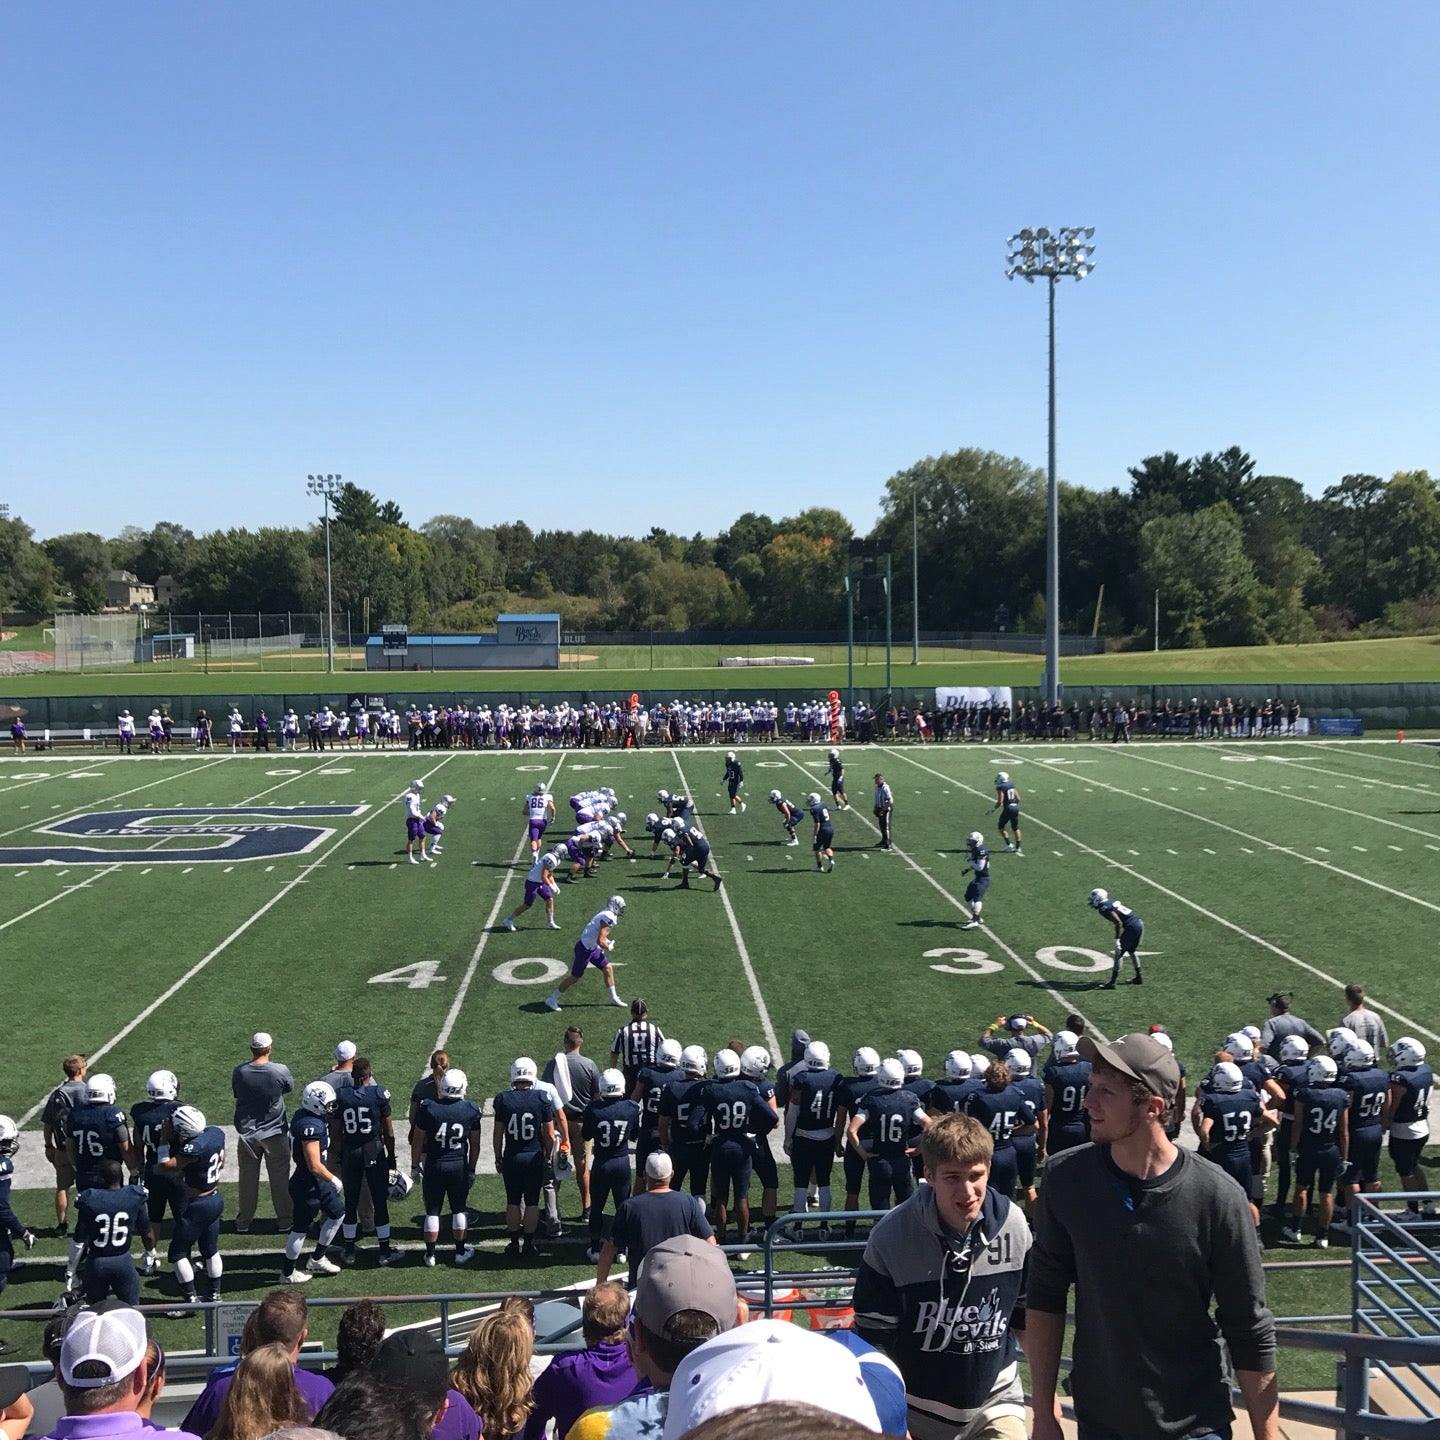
(956, 960)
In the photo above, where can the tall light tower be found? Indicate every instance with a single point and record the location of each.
(1052, 255)
(329, 487)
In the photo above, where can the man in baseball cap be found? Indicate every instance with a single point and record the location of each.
(684, 1296)
(1112, 1216)
(1013, 1035)
(103, 1373)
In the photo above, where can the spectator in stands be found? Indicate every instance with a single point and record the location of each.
(279, 1318)
(1112, 1217)
(493, 1373)
(655, 1214)
(1282, 1023)
(414, 1360)
(776, 1420)
(576, 1089)
(684, 1296)
(55, 1119)
(16, 1411)
(357, 1338)
(262, 1396)
(260, 1088)
(1364, 1022)
(47, 1398)
(600, 1374)
(365, 1407)
(154, 1381)
(102, 1374)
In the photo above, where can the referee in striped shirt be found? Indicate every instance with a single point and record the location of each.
(636, 1044)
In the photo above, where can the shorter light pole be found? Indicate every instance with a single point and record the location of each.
(329, 487)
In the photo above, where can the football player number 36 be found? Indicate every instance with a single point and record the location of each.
(955, 960)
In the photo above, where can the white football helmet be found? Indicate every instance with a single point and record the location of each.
(1361, 1056)
(812, 799)
(1161, 1038)
(187, 1122)
(974, 838)
(618, 819)
(817, 1055)
(668, 1054)
(612, 1085)
(539, 787)
(319, 1098)
(775, 797)
(616, 905)
(910, 1063)
(100, 1090)
(1322, 1070)
(1293, 1048)
(980, 1062)
(1338, 1042)
(523, 1071)
(162, 1085)
(1406, 1053)
(729, 754)
(891, 1075)
(667, 836)
(1226, 1079)
(727, 1065)
(834, 754)
(651, 820)
(755, 1062)
(1065, 1044)
(447, 801)
(957, 1065)
(1017, 1062)
(867, 1061)
(693, 1060)
(1253, 1031)
(453, 1085)
(401, 1185)
(1097, 897)
(1001, 778)
(663, 796)
(607, 792)
(417, 786)
(9, 1136)
(1239, 1045)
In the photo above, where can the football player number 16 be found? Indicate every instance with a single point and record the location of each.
(955, 960)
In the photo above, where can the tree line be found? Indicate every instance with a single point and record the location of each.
(1234, 556)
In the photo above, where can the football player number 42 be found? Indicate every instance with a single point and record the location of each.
(958, 960)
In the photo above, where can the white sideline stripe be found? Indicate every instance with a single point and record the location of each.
(765, 1022)
(1301, 799)
(199, 965)
(1270, 845)
(1355, 747)
(1191, 905)
(964, 909)
(443, 1038)
(1350, 775)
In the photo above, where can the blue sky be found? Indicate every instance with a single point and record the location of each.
(627, 264)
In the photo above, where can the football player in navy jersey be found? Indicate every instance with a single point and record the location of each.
(1066, 1079)
(1319, 1145)
(1129, 929)
(1407, 1115)
(1368, 1085)
(853, 1091)
(977, 865)
(446, 1132)
(837, 781)
(650, 1086)
(692, 850)
(755, 1067)
(150, 1117)
(1007, 802)
(948, 1096)
(1029, 1148)
(734, 781)
(731, 1115)
(367, 1156)
(1292, 1075)
(677, 1137)
(610, 1123)
(195, 1153)
(810, 1126)
(883, 1131)
(315, 1190)
(11, 1228)
(790, 816)
(110, 1215)
(1004, 1112)
(523, 1140)
(97, 1132)
(675, 807)
(822, 840)
(1230, 1113)
(920, 1088)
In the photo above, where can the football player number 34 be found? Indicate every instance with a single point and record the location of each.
(957, 960)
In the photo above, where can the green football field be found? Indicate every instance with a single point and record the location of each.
(1297, 865)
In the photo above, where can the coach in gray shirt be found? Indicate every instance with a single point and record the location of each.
(582, 1079)
(260, 1089)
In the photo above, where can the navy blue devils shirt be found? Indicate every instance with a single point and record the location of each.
(108, 1220)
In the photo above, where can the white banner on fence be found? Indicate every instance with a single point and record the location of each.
(971, 695)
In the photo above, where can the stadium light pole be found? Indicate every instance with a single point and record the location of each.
(915, 574)
(1051, 255)
(329, 487)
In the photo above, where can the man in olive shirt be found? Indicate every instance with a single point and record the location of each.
(1151, 1238)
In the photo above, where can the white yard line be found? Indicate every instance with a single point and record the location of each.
(1039, 976)
(446, 1030)
(765, 1022)
(1030, 819)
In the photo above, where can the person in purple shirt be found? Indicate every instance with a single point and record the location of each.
(600, 1374)
(415, 1360)
(279, 1318)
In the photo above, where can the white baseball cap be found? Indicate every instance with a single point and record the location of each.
(116, 1339)
(261, 1041)
(767, 1360)
(344, 1051)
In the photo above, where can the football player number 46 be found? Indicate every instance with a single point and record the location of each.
(957, 960)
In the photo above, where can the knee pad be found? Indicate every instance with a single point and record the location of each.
(458, 1221)
(432, 1225)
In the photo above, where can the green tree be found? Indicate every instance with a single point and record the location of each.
(355, 509)
(1408, 563)
(27, 574)
(1348, 541)
(1208, 591)
(749, 535)
(83, 562)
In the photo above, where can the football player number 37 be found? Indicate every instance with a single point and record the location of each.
(956, 960)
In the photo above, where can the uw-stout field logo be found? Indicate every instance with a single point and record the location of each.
(233, 832)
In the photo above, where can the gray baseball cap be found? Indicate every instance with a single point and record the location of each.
(1142, 1058)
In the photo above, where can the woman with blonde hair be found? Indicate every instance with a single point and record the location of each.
(262, 1397)
(493, 1373)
